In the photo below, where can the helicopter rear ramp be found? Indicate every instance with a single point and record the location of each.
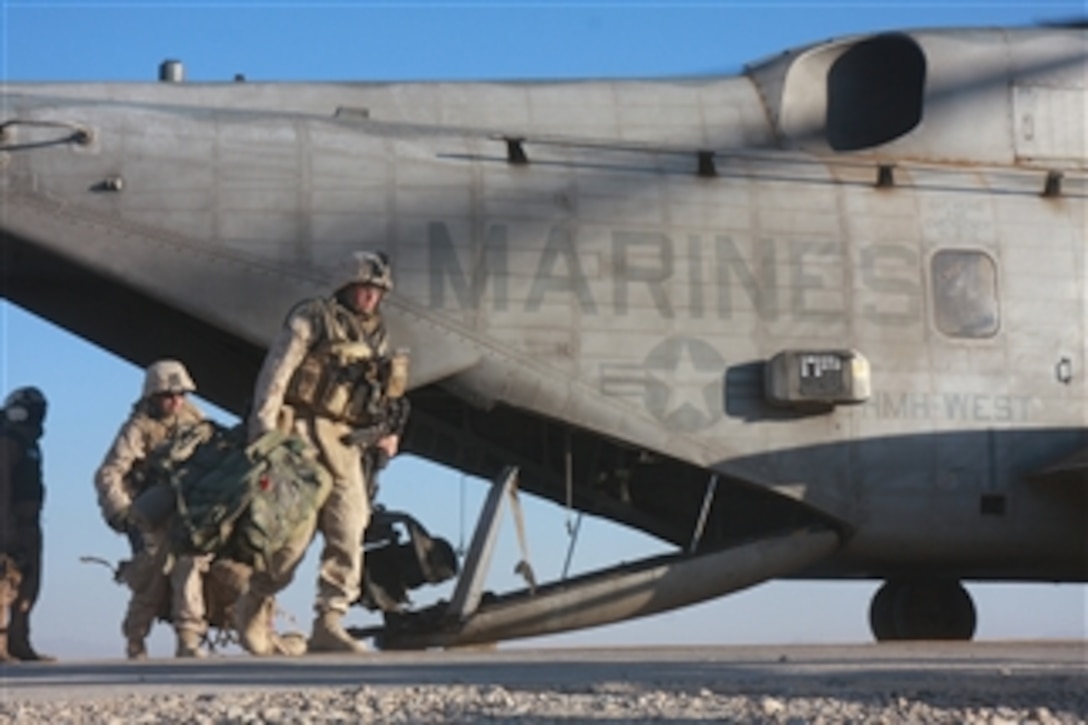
(606, 596)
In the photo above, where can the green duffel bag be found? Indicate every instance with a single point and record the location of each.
(287, 490)
(245, 502)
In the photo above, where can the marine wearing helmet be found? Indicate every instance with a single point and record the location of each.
(369, 268)
(167, 376)
(328, 374)
(161, 411)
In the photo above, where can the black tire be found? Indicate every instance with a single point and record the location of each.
(882, 611)
(933, 609)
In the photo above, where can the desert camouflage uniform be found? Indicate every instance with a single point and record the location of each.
(344, 516)
(114, 481)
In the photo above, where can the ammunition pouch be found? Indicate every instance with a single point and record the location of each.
(396, 375)
(345, 382)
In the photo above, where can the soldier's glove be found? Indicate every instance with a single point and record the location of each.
(123, 523)
(119, 521)
(379, 458)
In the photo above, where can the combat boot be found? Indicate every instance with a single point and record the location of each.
(135, 649)
(329, 635)
(19, 640)
(189, 642)
(291, 644)
(10, 578)
(252, 622)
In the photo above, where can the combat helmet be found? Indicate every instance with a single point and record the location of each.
(25, 405)
(167, 376)
(370, 268)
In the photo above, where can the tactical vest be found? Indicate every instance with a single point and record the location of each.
(26, 477)
(155, 431)
(346, 374)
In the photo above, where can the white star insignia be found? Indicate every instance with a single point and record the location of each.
(687, 384)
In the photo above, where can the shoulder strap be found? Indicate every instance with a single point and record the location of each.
(375, 335)
(264, 445)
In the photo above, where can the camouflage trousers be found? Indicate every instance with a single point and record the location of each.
(161, 586)
(20, 584)
(341, 520)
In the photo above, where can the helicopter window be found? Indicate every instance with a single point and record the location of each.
(965, 293)
(874, 92)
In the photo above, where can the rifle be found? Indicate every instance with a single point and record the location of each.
(392, 421)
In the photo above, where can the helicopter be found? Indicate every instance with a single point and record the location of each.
(820, 319)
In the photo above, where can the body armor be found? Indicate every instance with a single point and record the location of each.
(123, 473)
(347, 376)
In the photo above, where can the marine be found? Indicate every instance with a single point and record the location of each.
(329, 377)
(22, 495)
(161, 411)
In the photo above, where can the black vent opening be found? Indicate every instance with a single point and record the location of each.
(875, 92)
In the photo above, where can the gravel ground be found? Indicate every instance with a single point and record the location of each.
(972, 683)
(997, 700)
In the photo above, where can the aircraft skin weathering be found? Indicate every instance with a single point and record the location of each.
(824, 318)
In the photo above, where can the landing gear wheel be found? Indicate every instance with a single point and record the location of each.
(907, 609)
(934, 609)
(881, 611)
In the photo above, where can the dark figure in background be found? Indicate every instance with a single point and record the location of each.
(22, 494)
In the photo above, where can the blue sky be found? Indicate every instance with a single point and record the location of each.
(91, 391)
